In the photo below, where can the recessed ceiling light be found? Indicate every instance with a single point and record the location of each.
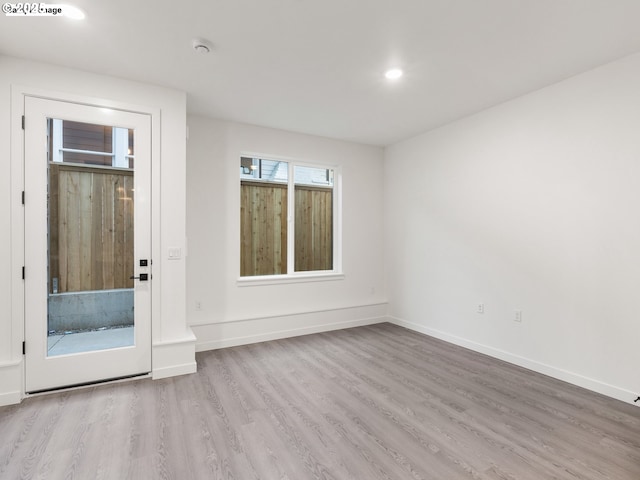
(393, 74)
(72, 12)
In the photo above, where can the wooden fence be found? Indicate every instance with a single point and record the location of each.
(90, 228)
(263, 225)
(314, 229)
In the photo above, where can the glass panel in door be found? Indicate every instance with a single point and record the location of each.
(90, 216)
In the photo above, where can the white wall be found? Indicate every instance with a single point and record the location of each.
(173, 341)
(532, 205)
(231, 314)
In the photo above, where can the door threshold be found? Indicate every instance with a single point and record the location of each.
(79, 386)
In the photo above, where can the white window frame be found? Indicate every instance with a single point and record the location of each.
(306, 276)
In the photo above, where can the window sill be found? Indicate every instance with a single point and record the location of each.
(293, 278)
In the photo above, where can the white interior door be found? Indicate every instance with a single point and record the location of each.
(87, 244)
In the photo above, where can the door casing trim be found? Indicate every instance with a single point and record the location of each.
(17, 166)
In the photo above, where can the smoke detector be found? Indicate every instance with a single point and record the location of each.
(202, 46)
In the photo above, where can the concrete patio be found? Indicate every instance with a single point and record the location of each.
(69, 343)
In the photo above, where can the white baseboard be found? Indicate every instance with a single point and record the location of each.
(612, 391)
(176, 357)
(10, 398)
(11, 389)
(254, 330)
(174, 370)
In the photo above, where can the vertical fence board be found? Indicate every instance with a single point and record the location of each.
(85, 222)
(265, 256)
(117, 204)
(57, 228)
(70, 232)
(129, 232)
(280, 230)
(302, 240)
(108, 233)
(54, 257)
(96, 240)
(245, 227)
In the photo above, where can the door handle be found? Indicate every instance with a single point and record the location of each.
(143, 277)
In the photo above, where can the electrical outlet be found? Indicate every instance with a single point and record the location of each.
(517, 316)
(198, 305)
(480, 308)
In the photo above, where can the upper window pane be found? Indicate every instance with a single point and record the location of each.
(312, 176)
(262, 169)
(90, 144)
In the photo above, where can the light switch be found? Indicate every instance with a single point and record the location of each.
(175, 253)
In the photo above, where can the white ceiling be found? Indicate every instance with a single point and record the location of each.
(317, 66)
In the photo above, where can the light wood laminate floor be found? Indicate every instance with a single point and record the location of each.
(376, 402)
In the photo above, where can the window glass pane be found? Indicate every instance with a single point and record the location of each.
(262, 169)
(313, 176)
(89, 144)
(263, 217)
(313, 219)
(265, 193)
(90, 239)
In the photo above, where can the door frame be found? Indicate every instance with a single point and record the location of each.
(17, 166)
